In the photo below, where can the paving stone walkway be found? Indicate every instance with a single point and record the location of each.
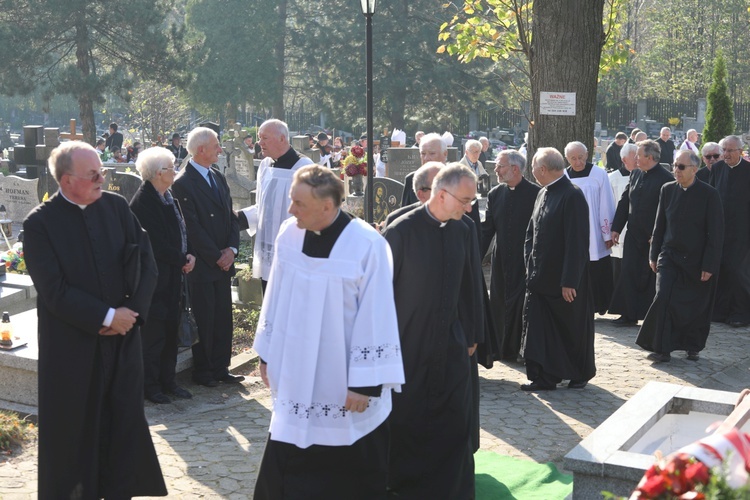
(210, 446)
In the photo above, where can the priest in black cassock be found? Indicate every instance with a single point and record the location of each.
(635, 289)
(685, 255)
(509, 207)
(559, 311)
(439, 309)
(731, 178)
(93, 268)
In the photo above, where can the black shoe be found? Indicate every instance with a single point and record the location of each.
(659, 357)
(693, 355)
(158, 398)
(577, 384)
(737, 324)
(536, 386)
(179, 392)
(231, 379)
(207, 382)
(623, 321)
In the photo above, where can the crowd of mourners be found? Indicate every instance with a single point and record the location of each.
(369, 336)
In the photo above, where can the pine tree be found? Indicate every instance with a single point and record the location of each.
(86, 48)
(719, 110)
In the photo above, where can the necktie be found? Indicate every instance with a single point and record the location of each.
(213, 185)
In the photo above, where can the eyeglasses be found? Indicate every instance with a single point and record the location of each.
(93, 177)
(470, 202)
(712, 157)
(168, 168)
(424, 189)
(731, 150)
(680, 166)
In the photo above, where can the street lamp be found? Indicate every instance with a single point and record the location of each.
(368, 9)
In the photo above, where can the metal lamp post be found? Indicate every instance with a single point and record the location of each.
(368, 9)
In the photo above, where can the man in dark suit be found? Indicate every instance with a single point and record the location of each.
(114, 141)
(214, 235)
(94, 440)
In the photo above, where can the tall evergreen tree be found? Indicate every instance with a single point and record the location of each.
(85, 48)
(719, 110)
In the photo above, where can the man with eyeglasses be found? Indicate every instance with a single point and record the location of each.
(509, 207)
(711, 154)
(437, 289)
(685, 254)
(559, 314)
(94, 271)
(635, 289)
(731, 178)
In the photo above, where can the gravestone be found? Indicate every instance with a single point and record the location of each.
(402, 161)
(386, 194)
(19, 196)
(124, 184)
(301, 143)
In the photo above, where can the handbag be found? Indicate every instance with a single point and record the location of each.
(187, 333)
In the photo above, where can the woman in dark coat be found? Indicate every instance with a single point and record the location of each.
(160, 216)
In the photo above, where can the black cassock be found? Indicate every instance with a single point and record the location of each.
(636, 286)
(559, 335)
(506, 219)
(94, 440)
(733, 287)
(687, 239)
(438, 303)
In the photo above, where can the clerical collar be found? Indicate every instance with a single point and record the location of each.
(287, 160)
(732, 166)
(427, 210)
(327, 228)
(688, 187)
(82, 207)
(548, 185)
(624, 172)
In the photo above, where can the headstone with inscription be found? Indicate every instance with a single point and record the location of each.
(386, 194)
(123, 183)
(402, 161)
(19, 196)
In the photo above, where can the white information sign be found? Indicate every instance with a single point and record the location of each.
(557, 103)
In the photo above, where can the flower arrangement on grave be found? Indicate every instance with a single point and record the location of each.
(355, 162)
(13, 259)
(715, 467)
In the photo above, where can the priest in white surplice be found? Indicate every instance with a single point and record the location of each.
(329, 343)
(275, 172)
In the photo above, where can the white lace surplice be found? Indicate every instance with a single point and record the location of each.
(326, 325)
(270, 210)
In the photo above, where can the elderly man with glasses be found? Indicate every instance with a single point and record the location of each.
(712, 154)
(95, 274)
(685, 254)
(731, 178)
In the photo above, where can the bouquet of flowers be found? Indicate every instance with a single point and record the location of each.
(13, 259)
(355, 162)
(715, 467)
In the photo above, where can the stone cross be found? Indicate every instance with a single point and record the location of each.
(73, 136)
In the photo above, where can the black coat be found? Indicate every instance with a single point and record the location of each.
(89, 382)
(161, 224)
(211, 224)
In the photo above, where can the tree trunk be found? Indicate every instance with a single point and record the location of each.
(85, 100)
(277, 107)
(564, 57)
(397, 103)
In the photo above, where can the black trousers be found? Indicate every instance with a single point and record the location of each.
(159, 345)
(212, 308)
(325, 472)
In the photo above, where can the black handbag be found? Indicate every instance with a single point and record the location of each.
(187, 333)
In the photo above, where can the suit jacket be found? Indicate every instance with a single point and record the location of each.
(409, 197)
(464, 161)
(113, 141)
(211, 223)
(75, 258)
(161, 224)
